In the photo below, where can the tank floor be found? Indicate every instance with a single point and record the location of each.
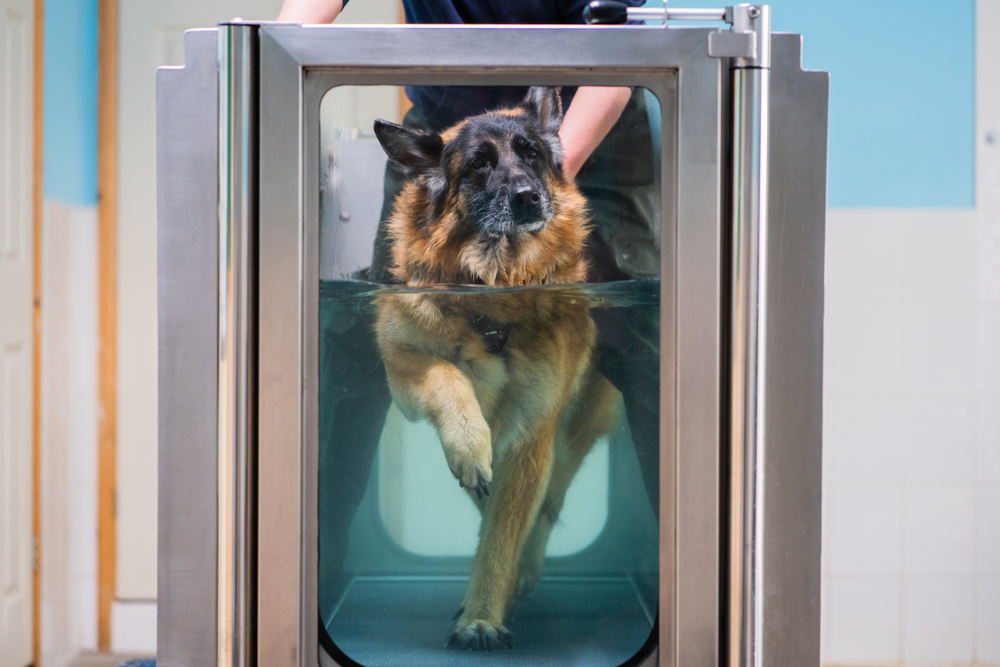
(592, 621)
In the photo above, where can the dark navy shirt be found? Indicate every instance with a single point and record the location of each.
(551, 12)
(444, 105)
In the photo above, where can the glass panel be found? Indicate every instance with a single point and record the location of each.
(489, 378)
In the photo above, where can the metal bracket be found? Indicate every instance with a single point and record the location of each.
(755, 20)
(726, 44)
(749, 40)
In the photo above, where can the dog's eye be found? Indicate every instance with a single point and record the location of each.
(478, 163)
(531, 153)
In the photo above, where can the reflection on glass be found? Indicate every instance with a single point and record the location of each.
(488, 424)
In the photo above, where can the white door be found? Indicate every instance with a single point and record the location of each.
(16, 58)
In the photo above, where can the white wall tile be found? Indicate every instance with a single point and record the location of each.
(939, 531)
(988, 437)
(988, 536)
(988, 620)
(940, 256)
(938, 339)
(939, 438)
(938, 621)
(988, 348)
(866, 531)
(863, 256)
(989, 242)
(864, 620)
(861, 347)
(863, 438)
(939, 326)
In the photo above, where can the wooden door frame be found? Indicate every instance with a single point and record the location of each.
(107, 235)
(38, 75)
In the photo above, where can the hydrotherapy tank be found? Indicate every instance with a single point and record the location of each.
(303, 520)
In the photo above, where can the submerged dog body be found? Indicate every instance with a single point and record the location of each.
(506, 377)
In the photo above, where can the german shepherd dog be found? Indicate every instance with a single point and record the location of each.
(505, 376)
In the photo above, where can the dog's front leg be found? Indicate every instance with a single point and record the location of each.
(518, 487)
(432, 388)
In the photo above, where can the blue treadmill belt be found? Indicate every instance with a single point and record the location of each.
(389, 622)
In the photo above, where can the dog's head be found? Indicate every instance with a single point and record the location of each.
(486, 200)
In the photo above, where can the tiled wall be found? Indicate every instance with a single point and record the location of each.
(912, 438)
(911, 555)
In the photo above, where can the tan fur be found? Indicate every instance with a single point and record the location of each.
(517, 423)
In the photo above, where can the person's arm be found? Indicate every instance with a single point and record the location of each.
(310, 11)
(590, 116)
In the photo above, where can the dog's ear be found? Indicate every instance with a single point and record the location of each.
(416, 152)
(546, 105)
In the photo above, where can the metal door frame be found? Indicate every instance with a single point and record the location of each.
(297, 67)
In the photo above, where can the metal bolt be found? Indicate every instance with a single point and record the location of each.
(754, 12)
(345, 216)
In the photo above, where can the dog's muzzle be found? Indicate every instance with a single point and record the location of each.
(515, 209)
(528, 209)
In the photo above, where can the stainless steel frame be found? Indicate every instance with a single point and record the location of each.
(792, 470)
(187, 137)
(748, 337)
(237, 392)
(701, 102)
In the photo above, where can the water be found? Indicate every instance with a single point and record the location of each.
(397, 534)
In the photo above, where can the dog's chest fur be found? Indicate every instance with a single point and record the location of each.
(523, 353)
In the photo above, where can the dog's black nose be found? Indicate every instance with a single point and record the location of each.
(525, 198)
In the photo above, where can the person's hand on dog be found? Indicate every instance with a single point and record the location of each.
(590, 116)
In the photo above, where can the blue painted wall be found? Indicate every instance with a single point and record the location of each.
(70, 123)
(902, 96)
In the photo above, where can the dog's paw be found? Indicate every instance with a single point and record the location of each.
(472, 474)
(478, 482)
(469, 460)
(480, 636)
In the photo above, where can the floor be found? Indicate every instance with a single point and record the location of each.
(99, 660)
(578, 621)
